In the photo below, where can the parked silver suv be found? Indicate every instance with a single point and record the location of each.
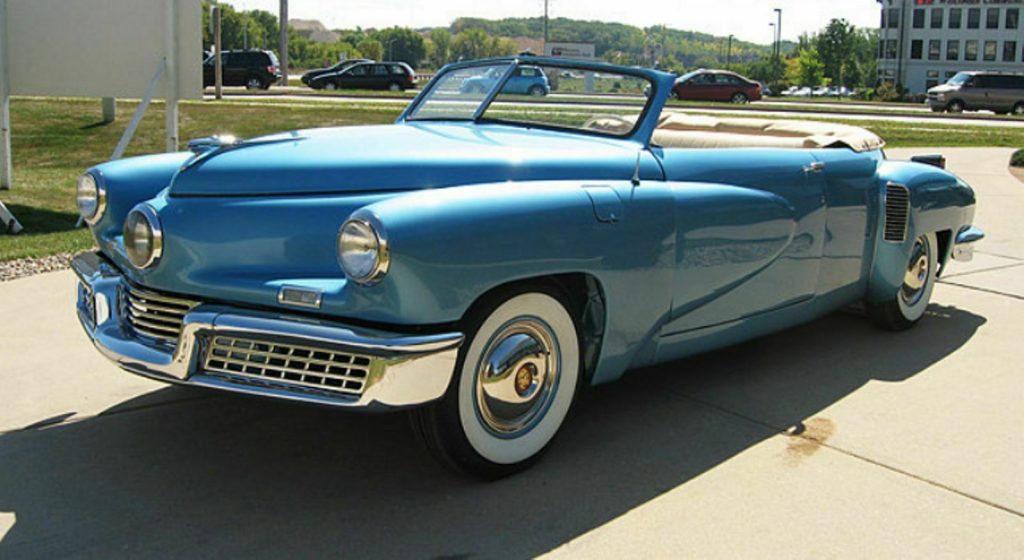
(978, 91)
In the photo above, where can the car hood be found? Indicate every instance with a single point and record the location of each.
(401, 157)
(943, 88)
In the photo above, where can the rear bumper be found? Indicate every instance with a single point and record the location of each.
(267, 354)
(963, 245)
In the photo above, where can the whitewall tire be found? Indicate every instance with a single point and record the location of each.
(911, 300)
(515, 382)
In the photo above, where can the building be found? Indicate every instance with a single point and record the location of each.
(925, 42)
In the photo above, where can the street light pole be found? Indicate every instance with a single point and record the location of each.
(778, 31)
(545, 26)
(283, 45)
(728, 54)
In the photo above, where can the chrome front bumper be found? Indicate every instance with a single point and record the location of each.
(963, 245)
(399, 371)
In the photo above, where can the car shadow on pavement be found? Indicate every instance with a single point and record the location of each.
(235, 476)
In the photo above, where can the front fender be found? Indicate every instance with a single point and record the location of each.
(130, 181)
(448, 247)
(940, 202)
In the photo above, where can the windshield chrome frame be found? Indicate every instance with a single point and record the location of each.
(661, 85)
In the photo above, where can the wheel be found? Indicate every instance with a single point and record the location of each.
(394, 86)
(537, 91)
(1018, 109)
(740, 97)
(955, 106)
(674, 95)
(908, 305)
(514, 383)
(254, 82)
(331, 86)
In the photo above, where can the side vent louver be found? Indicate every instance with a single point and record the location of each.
(897, 212)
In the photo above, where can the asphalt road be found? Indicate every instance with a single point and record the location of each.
(833, 439)
(759, 109)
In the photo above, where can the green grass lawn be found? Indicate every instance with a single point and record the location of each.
(54, 140)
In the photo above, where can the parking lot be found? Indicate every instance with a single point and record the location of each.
(830, 439)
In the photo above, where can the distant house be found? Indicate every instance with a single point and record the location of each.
(536, 46)
(314, 30)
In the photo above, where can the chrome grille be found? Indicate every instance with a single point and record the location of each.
(155, 315)
(897, 213)
(287, 365)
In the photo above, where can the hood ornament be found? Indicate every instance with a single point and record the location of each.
(203, 145)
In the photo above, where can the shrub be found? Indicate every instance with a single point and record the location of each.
(1017, 159)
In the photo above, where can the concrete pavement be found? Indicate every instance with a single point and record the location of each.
(832, 439)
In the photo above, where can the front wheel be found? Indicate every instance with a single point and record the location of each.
(515, 381)
(909, 303)
(330, 86)
(955, 106)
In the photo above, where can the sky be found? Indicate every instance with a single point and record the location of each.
(746, 19)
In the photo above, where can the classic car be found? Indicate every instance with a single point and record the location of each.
(480, 260)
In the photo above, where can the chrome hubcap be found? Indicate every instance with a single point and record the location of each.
(517, 377)
(918, 270)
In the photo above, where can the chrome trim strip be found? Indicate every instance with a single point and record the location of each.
(404, 370)
(318, 296)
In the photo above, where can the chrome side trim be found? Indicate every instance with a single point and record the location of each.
(963, 247)
(403, 370)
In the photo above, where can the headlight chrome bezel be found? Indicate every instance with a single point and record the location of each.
(380, 268)
(101, 197)
(156, 234)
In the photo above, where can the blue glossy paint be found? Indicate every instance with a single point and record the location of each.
(707, 248)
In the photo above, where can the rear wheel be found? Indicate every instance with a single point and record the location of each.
(911, 300)
(955, 106)
(740, 97)
(254, 82)
(515, 381)
(394, 86)
(1018, 109)
(537, 91)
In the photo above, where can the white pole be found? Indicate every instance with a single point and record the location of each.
(5, 104)
(109, 109)
(171, 71)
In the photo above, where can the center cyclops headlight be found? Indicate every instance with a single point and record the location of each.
(91, 198)
(143, 236)
(363, 249)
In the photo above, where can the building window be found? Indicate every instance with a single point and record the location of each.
(1012, 18)
(953, 50)
(990, 51)
(933, 79)
(937, 18)
(971, 50)
(1009, 51)
(890, 48)
(934, 49)
(881, 49)
(894, 18)
(955, 17)
(918, 19)
(992, 18)
(973, 18)
(916, 49)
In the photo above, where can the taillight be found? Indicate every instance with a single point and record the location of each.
(272, 69)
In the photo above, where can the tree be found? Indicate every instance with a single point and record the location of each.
(807, 70)
(471, 44)
(835, 48)
(402, 44)
(371, 48)
(442, 40)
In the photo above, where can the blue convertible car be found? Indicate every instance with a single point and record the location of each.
(484, 257)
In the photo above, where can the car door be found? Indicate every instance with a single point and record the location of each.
(725, 86)
(750, 233)
(981, 93)
(355, 77)
(516, 83)
(697, 88)
(379, 78)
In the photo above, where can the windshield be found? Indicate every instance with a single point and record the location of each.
(533, 94)
(959, 79)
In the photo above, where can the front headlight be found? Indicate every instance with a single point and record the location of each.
(143, 236)
(91, 198)
(363, 249)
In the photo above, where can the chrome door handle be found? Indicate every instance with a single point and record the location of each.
(815, 167)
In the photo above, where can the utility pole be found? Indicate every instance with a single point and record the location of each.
(545, 26)
(778, 31)
(283, 47)
(218, 68)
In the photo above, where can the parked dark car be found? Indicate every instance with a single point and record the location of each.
(335, 69)
(979, 91)
(716, 85)
(252, 69)
(394, 76)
